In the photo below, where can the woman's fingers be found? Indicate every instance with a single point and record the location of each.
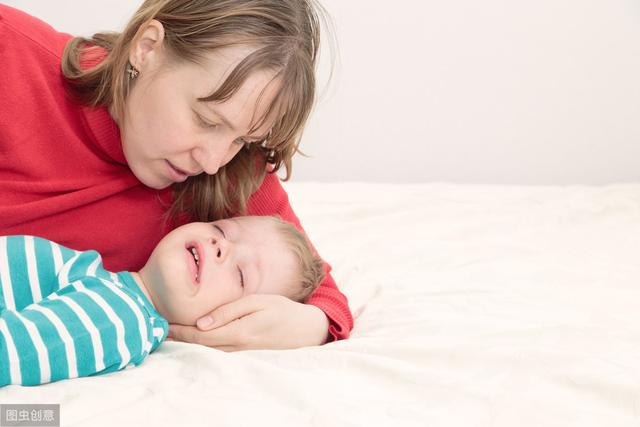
(215, 338)
(229, 312)
(259, 322)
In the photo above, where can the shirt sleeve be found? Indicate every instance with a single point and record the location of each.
(272, 199)
(88, 327)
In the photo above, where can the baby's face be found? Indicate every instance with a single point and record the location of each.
(201, 266)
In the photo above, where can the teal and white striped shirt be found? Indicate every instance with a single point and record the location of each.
(62, 315)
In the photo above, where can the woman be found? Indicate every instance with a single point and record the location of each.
(184, 116)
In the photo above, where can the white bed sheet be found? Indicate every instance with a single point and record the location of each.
(474, 306)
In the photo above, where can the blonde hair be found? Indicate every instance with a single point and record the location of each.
(286, 36)
(310, 266)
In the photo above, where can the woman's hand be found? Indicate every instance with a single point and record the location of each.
(258, 322)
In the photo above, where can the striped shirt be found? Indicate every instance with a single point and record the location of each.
(62, 315)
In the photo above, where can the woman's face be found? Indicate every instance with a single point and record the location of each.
(168, 135)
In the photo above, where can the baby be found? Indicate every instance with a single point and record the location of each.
(62, 315)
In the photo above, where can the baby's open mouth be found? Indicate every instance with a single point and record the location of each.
(194, 253)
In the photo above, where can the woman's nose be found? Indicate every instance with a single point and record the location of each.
(212, 155)
(209, 160)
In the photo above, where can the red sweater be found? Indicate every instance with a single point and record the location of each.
(64, 176)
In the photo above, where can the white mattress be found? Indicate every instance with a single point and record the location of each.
(474, 306)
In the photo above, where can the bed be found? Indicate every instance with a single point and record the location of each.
(474, 306)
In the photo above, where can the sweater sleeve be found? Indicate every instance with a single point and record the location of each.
(272, 199)
(83, 329)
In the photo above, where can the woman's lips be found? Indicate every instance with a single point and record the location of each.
(176, 174)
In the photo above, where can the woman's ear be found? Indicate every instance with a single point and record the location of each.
(147, 44)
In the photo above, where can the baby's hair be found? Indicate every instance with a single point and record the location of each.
(311, 267)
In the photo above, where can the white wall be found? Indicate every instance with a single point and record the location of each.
(500, 91)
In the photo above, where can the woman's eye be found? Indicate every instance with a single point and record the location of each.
(205, 123)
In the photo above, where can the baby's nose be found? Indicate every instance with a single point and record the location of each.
(220, 248)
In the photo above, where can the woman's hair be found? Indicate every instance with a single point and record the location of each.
(285, 34)
(310, 266)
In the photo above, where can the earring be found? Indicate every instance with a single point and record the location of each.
(265, 141)
(271, 155)
(133, 71)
